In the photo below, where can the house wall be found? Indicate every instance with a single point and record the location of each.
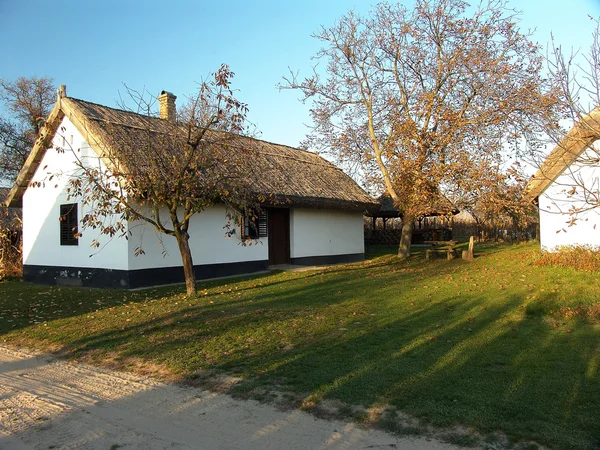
(555, 204)
(324, 237)
(44, 259)
(213, 253)
(316, 237)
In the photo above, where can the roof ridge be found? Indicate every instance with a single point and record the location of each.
(326, 163)
(126, 125)
(113, 108)
(313, 154)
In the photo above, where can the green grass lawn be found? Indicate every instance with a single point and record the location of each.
(498, 347)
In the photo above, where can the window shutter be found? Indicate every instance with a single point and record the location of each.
(68, 224)
(262, 224)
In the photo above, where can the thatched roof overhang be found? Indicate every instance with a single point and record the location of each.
(387, 210)
(318, 203)
(572, 146)
(278, 173)
(14, 198)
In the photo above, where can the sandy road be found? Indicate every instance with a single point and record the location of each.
(48, 403)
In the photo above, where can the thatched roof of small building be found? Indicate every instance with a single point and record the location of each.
(277, 172)
(442, 207)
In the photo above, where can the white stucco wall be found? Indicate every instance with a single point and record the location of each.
(41, 211)
(322, 232)
(207, 241)
(555, 203)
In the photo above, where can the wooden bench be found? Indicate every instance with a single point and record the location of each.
(446, 247)
(449, 248)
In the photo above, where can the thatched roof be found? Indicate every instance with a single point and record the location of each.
(580, 138)
(280, 173)
(442, 207)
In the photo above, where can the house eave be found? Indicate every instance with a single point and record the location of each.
(583, 134)
(14, 199)
(64, 107)
(319, 203)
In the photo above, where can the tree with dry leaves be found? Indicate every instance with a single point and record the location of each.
(164, 172)
(423, 99)
(27, 102)
(494, 197)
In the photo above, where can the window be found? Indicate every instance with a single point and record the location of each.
(68, 224)
(254, 225)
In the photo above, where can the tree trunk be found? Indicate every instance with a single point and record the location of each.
(405, 238)
(188, 264)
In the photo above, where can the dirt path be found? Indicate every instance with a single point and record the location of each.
(52, 404)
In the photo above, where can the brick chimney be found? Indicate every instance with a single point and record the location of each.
(61, 92)
(168, 110)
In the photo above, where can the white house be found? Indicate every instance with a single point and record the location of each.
(567, 188)
(320, 220)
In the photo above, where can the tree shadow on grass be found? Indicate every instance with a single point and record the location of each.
(445, 363)
(372, 336)
(25, 304)
(521, 378)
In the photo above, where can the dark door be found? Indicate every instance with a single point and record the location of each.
(279, 236)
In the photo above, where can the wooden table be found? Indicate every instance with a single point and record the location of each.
(446, 247)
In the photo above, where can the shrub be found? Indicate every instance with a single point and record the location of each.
(11, 246)
(584, 258)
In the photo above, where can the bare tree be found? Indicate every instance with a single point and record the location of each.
(423, 98)
(28, 101)
(164, 172)
(575, 133)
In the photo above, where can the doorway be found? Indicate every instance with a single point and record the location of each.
(279, 235)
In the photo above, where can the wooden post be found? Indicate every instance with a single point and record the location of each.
(467, 255)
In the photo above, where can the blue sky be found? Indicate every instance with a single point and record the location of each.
(95, 46)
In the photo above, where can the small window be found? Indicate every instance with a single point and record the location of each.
(254, 225)
(68, 224)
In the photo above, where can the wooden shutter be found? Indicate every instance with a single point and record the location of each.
(68, 224)
(262, 224)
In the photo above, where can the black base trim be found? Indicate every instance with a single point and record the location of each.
(132, 279)
(171, 275)
(328, 259)
(76, 276)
